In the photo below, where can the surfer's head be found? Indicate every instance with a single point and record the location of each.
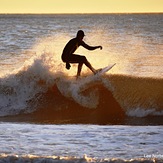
(80, 34)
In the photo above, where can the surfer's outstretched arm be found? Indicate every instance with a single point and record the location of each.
(90, 47)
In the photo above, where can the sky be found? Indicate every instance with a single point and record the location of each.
(81, 6)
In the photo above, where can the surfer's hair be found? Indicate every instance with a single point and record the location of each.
(80, 33)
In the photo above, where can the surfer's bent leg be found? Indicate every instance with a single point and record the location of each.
(81, 60)
(85, 61)
(66, 60)
(79, 69)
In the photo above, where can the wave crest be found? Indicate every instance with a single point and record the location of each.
(42, 85)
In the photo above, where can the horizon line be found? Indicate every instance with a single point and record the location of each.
(83, 13)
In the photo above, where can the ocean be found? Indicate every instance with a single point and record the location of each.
(46, 115)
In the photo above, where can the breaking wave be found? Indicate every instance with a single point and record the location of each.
(42, 88)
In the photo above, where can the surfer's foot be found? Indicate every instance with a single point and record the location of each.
(78, 77)
(68, 66)
(97, 71)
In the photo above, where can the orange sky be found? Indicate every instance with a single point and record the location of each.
(80, 6)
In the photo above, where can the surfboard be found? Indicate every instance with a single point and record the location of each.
(105, 69)
(100, 72)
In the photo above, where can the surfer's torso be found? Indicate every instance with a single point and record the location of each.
(71, 47)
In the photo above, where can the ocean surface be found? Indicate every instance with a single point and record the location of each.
(46, 115)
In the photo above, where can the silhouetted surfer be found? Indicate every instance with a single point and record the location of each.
(68, 55)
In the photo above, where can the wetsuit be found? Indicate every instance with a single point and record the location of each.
(70, 48)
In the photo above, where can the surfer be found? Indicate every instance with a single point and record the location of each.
(68, 55)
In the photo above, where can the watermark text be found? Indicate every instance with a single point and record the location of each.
(152, 156)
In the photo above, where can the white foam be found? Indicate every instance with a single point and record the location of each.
(67, 159)
(141, 112)
(75, 90)
(23, 86)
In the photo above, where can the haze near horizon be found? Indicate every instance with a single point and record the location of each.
(84, 6)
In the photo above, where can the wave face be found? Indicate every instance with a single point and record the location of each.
(138, 96)
(43, 90)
